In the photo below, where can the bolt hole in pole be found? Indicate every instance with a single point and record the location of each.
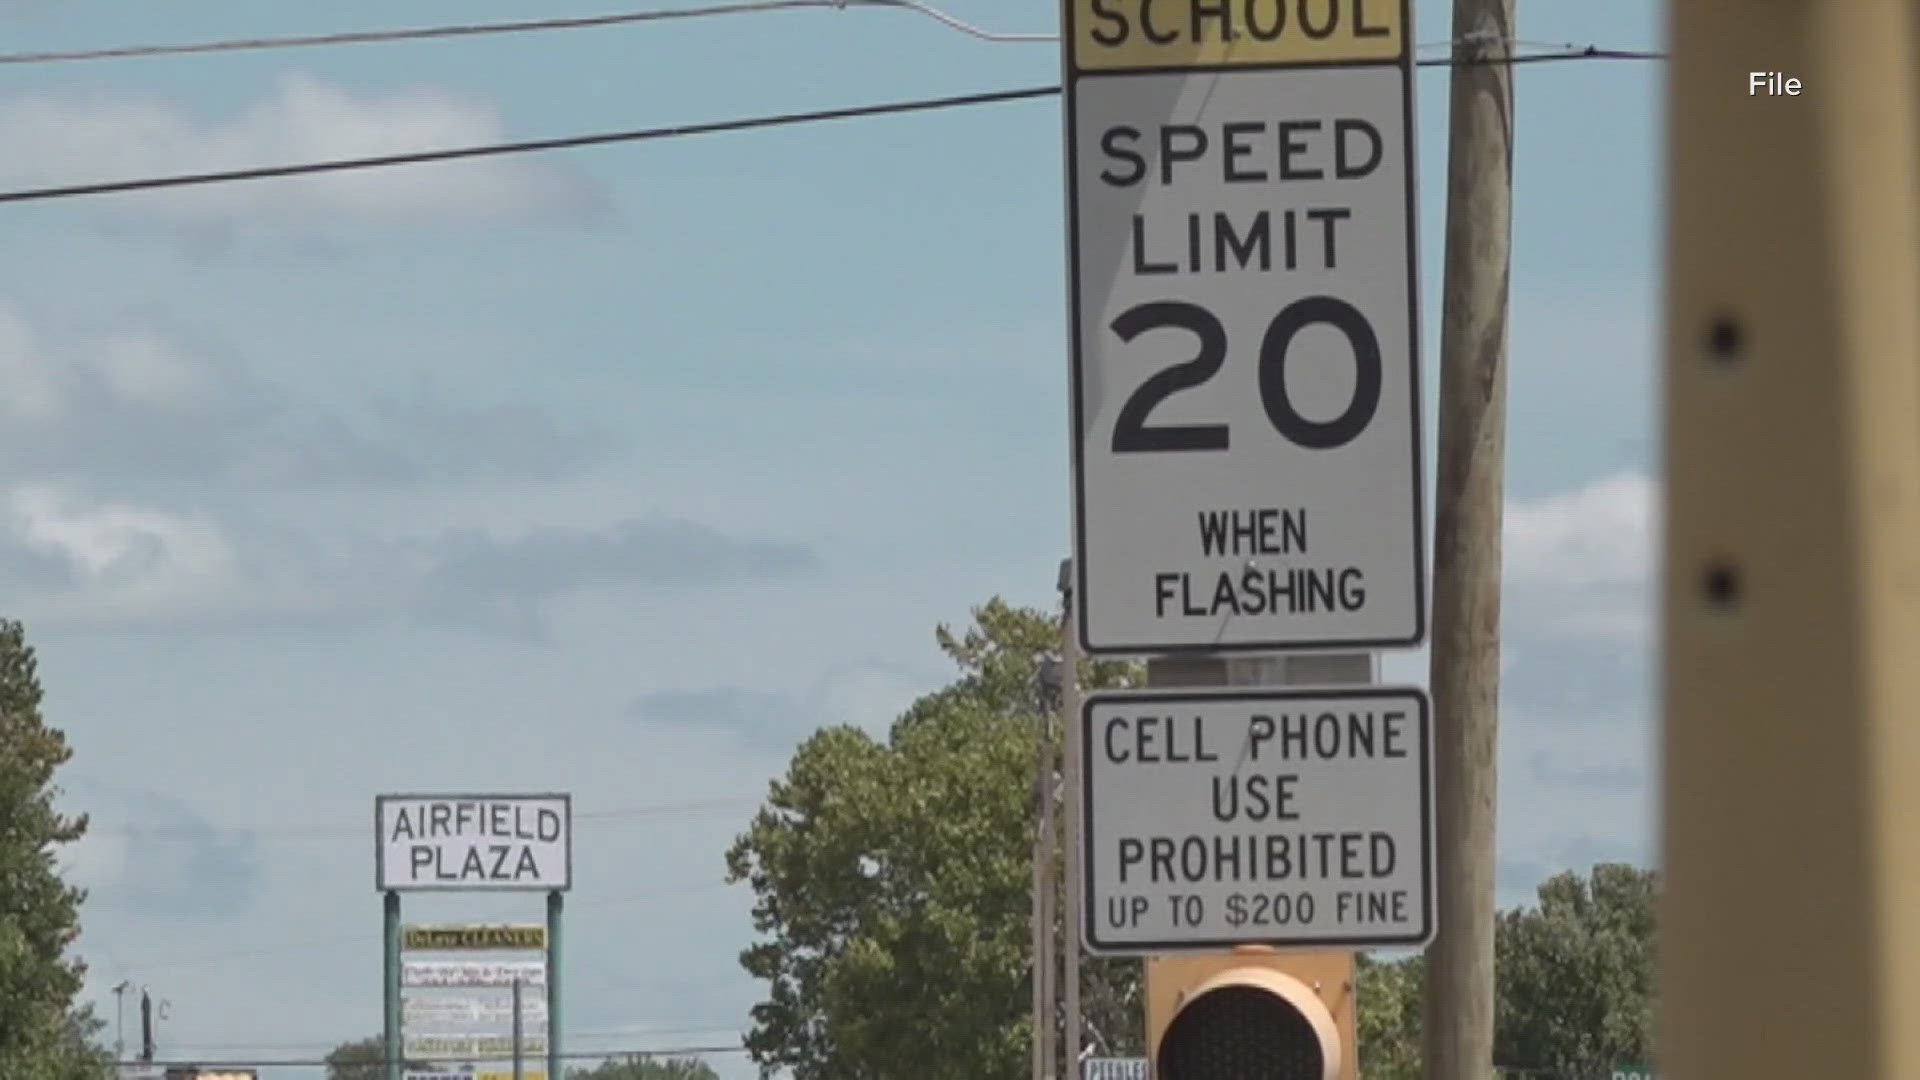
(1725, 341)
(1721, 584)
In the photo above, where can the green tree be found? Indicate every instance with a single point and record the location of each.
(1573, 975)
(642, 1067)
(1388, 1022)
(363, 1059)
(893, 880)
(42, 1032)
(1576, 973)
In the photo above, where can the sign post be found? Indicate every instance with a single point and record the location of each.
(1247, 494)
(519, 1061)
(1246, 382)
(464, 843)
(390, 903)
(555, 902)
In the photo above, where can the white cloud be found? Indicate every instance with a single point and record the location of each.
(1578, 739)
(68, 558)
(1582, 563)
(1576, 564)
(50, 377)
(1603, 533)
(51, 138)
(116, 541)
(97, 860)
(1577, 746)
(142, 368)
(128, 562)
(32, 390)
(1575, 789)
(151, 401)
(155, 853)
(870, 696)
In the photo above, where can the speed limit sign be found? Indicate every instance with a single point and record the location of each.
(1246, 386)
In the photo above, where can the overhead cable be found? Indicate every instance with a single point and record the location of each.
(112, 187)
(249, 952)
(561, 143)
(212, 832)
(573, 1055)
(576, 22)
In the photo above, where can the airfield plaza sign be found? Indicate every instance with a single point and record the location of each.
(465, 843)
(1244, 337)
(1290, 818)
(473, 842)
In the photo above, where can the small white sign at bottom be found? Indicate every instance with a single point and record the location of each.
(484, 1074)
(471, 1046)
(1114, 1069)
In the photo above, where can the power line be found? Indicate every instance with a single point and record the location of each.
(591, 1055)
(196, 960)
(1588, 52)
(362, 37)
(562, 143)
(612, 1033)
(647, 134)
(190, 832)
(572, 1055)
(421, 33)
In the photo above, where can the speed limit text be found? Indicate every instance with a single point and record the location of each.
(1240, 152)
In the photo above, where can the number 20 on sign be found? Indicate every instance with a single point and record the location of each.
(1245, 368)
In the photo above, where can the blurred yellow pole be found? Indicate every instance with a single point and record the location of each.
(1790, 934)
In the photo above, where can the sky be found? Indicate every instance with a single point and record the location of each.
(618, 471)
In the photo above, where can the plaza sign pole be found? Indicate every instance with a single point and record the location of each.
(390, 984)
(555, 903)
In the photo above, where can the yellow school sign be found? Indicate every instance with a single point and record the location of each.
(1241, 240)
(1113, 35)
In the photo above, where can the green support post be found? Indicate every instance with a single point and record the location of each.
(519, 1025)
(391, 986)
(554, 903)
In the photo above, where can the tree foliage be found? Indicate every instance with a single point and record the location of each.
(1387, 1025)
(363, 1059)
(893, 880)
(1576, 987)
(640, 1067)
(1574, 983)
(893, 892)
(42, 1033)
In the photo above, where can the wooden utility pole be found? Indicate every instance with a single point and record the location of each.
(1465, 675)
(1043, 884)
(1070, 797)
(1790, 920)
